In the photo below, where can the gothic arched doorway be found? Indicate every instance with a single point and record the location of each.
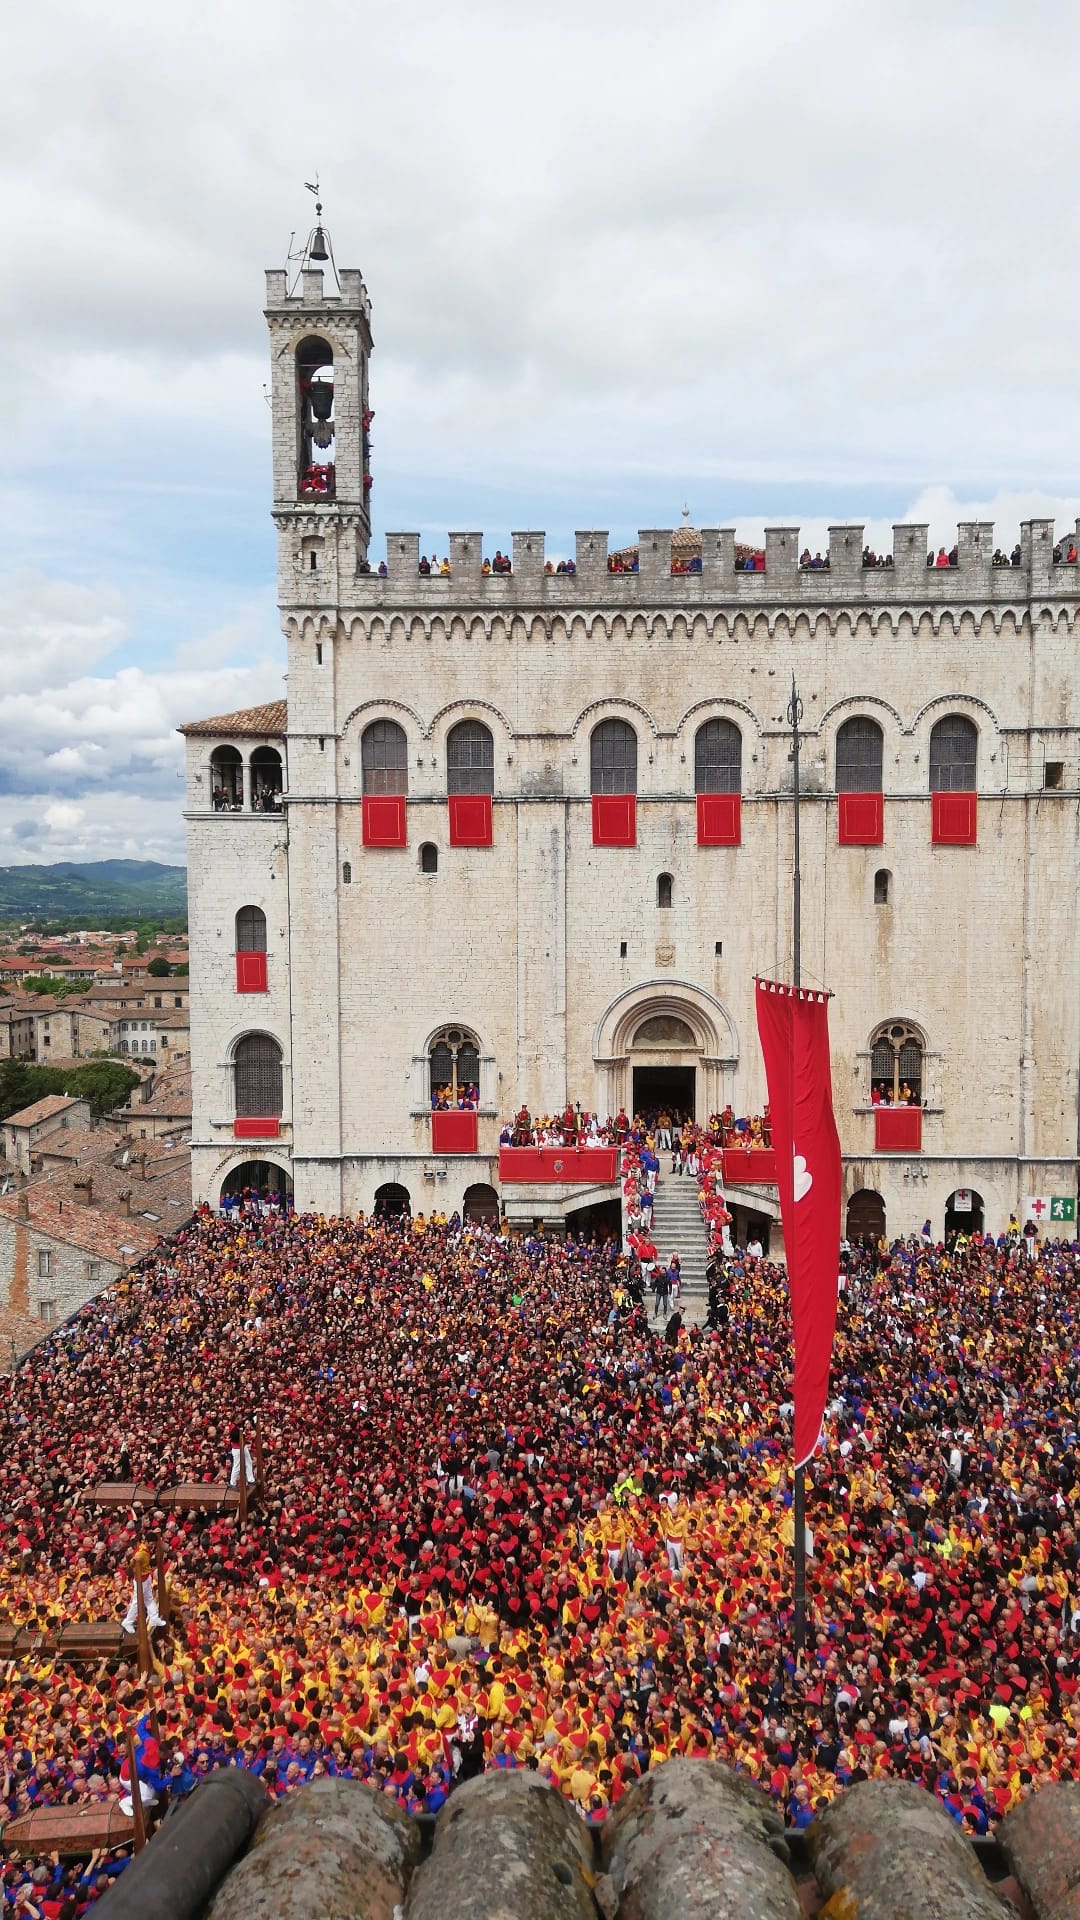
(865, 1216)
(664, 1050)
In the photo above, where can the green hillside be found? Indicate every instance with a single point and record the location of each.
(101, 893)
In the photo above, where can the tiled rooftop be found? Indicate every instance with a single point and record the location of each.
(53, 1103)
(254, 721)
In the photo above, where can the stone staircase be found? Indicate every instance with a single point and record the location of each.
(679, 1228)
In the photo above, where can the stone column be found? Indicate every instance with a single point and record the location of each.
(506, 1843)
(887, 1847)
(1041, 1842)
(696, 1840)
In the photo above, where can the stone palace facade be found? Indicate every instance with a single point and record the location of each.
(533, 830)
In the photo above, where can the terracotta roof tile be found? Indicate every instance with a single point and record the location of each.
(269, 719)
(41, 1110)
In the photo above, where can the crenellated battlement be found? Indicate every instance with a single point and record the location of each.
(668, 568)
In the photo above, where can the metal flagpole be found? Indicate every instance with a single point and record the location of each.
(794, 715)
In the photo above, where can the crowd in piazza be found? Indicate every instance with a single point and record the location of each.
(510, 1524)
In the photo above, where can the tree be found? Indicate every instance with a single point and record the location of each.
(159, 967)
(59, 985)
(104, 1083)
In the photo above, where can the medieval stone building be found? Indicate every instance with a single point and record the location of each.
(532, 830)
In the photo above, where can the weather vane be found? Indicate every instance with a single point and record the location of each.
(317, 247)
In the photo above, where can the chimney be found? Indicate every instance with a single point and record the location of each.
(22, 1206)
(124, 1203)
(84, 1191)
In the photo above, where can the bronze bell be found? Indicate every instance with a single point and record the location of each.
(321, 395)
(318, 249)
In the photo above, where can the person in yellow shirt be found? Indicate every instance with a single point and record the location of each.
(675, 1526)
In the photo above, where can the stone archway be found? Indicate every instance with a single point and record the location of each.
(667, 1041)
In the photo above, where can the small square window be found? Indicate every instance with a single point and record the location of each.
(622, 949)
(47, 1311)
(1054, 774)
(93, 1270)
(718, 949)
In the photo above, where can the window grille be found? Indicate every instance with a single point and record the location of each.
(718, 758)
(896, 1060)
(429, 857)
(251, 930)
(613, 752)
(259, 1084)
(953, 755)
(470, 758)
(860, 752)
(454, 1061)
(384, 758)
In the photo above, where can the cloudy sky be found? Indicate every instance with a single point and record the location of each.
(770, 262)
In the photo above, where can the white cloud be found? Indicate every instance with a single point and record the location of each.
(48, 628)
(61, 817)
(769, 260)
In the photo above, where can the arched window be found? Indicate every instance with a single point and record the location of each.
(860, 752)
(429, 857)
(346, 872)
(470, 758)
(954, 746)
(384, 758)
(251, 930)
(454, 1066)
(718, 758)
(258, 1077)
(613, 752)
(663, 889)
(896, 1066)
(315, 413)
(266, 780)
(882, 885)
(227, 779)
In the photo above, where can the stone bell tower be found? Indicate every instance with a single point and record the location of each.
(320, 344)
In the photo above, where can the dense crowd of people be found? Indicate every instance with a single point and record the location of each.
(450, 1099)
(508, 1523)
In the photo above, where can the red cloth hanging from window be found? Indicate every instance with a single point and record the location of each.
(955, 819)
(251, 973)
(719, 819)
(249, 1129)
(897, 1129)
(860, 819)
(470, 819)
(453, 1130)
(384, 822)
(614, 820)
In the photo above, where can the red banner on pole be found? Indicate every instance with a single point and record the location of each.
(793, 1027)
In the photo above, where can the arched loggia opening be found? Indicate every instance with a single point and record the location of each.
(258, 1178)
(227, 779)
